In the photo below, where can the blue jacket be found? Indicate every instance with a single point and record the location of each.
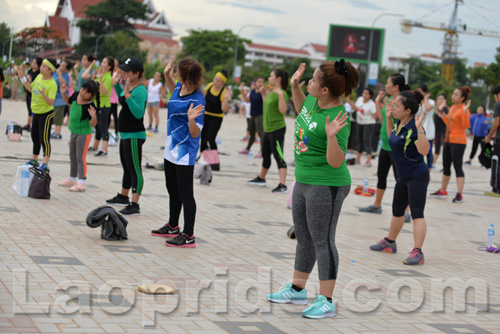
(479, 125)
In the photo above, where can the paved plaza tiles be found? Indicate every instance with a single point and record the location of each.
(58, 276)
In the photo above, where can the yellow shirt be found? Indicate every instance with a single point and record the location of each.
(38, 104)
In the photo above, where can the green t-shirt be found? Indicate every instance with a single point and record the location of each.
(273, 119)
(384, 137)
(79, 117)
(38, 104)
(311, 143)
(107, 81)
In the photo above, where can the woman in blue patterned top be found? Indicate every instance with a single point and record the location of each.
(409, 145)
(184, 123)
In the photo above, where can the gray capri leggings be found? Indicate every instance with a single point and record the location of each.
(78, 146)
(316, 211)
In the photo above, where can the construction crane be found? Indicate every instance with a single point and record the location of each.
(452, 30)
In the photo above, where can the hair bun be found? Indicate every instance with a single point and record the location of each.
(418, 95)
(467, 89)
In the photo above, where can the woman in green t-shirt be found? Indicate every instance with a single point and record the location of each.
(274, 99)
(43, 90)
(105, 86)
(322, 130)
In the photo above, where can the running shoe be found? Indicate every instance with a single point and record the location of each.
(458, 198)
(182, 241)
(257, 181)
(280, 189)
(131, 209)
(320, 308)
(259, 155)
(166, 231)
(149, 128)
(33, 163)
(385, 247)
(67, 183)
(44, 168)
(440, 194)
(371, 209)
(55, 136)
(287, 295)
(78, 187)
(243, 152)
(416, 257)
(467, 163)
(368, 164)
(91, 149)
(101, 154)
(407, 217)
(119, 199)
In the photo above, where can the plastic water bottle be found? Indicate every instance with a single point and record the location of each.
(218, 141)
(379, 147)
(250, 158)
(365, 186)
(11, 127)
(348, 156)
(491, 236)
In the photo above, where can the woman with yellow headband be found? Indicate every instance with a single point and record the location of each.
(217, 103)
(43, 90)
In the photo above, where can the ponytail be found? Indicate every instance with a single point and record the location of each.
(93, 88)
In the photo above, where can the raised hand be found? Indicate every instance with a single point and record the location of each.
(298, 75)
(92, 111)
(242, 86)
(338, 123)
(195, 112)
(77, 64)
(20, 72)
(388, 109)
(228, 94)
(42, 91)
(126, 90)
(467, 106)
(63, 89)
(169, 66)
(380, 96)
(420, 119)
(117, 76)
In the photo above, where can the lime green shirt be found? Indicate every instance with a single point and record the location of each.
(311, 143)
(273, 119)
(107, 81)
(38, 104)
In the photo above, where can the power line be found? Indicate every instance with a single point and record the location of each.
(435, 10)
(484, 17)
(486, 9)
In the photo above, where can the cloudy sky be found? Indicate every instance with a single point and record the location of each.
(293, 23)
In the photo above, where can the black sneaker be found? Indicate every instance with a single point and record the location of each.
(101, 154)
(458, 198)
(257, 181)
(119, 199)
(131, 209)
(166, 231)
(182, 241)
(281, 188)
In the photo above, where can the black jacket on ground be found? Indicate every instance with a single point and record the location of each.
(114, 225)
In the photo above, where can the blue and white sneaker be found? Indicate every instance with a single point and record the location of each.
(287, 295)
(320, 308)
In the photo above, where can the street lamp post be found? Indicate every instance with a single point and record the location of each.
(237, 41)
(97, 42)
(370, 44)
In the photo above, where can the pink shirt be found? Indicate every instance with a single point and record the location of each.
(113, 98)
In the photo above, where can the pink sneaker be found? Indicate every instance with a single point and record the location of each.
(67, 183)
(244, 152)
(259, 155)
(78, 187)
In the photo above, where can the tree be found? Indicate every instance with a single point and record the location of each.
(488, 77)
(4, 38)
(122, 46)
(212, 47)
(108, 17)
(33, 40)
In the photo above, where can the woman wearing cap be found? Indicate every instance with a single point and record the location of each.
(217, 103)
(322, 131)
(43, 90)
(132, 98)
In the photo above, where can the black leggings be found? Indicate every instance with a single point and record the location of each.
(453, 153)
(438, 142)
(376, 136)
(102, 127)
(28, 104)
(475, 144)
(209, 132)
(40, 132)
(114, 112)
(413, 192)
(130, 157)
(385, 162)
(272, 143)
(179, 182)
